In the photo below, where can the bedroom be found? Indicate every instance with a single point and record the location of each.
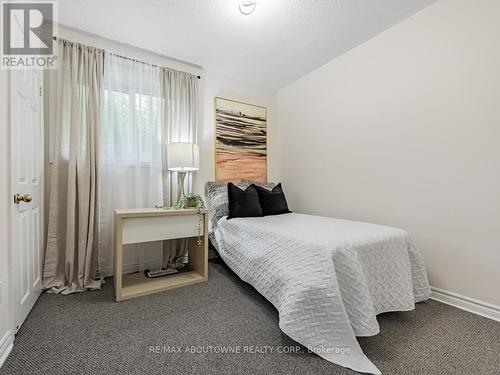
(360, 230)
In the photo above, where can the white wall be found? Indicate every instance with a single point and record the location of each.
(404, 130)
(6, 333)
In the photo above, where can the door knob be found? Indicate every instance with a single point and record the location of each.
(25, 198)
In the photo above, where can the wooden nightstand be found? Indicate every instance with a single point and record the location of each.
(152, 224)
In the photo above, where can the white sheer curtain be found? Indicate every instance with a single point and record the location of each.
(131, 153)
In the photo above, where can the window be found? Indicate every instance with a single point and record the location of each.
(131, 124)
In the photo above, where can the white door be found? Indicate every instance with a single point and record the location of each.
(27, 180)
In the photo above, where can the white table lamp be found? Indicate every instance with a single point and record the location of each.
(182, 157)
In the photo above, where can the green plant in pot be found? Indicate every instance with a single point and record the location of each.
(192, 200)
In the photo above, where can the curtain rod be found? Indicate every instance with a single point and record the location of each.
(127, 58)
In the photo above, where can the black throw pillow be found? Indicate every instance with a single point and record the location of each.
(243, 203)
(273, 202)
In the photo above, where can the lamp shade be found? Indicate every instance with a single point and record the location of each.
(183, 157)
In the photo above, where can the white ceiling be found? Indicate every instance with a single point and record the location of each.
(280, 42)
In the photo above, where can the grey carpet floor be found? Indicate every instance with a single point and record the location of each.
(88, 333)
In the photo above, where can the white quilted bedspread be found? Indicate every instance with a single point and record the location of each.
(328, 278)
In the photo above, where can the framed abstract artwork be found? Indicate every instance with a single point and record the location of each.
(240, 141)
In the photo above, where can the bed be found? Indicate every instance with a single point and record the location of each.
(328, 278)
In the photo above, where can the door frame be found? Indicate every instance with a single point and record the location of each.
(10, 181)
(5, 88)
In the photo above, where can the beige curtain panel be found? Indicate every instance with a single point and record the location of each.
(179, 122)
(180, 91)
(76, 90)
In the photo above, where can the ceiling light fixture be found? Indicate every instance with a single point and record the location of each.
(247, 7)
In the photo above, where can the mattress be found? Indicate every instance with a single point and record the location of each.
(328, 278)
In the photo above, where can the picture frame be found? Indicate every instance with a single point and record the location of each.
(240, 141)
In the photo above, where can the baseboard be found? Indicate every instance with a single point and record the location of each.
(6, 343)
(465, 303)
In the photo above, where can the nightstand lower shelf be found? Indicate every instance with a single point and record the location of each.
(136, 284)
